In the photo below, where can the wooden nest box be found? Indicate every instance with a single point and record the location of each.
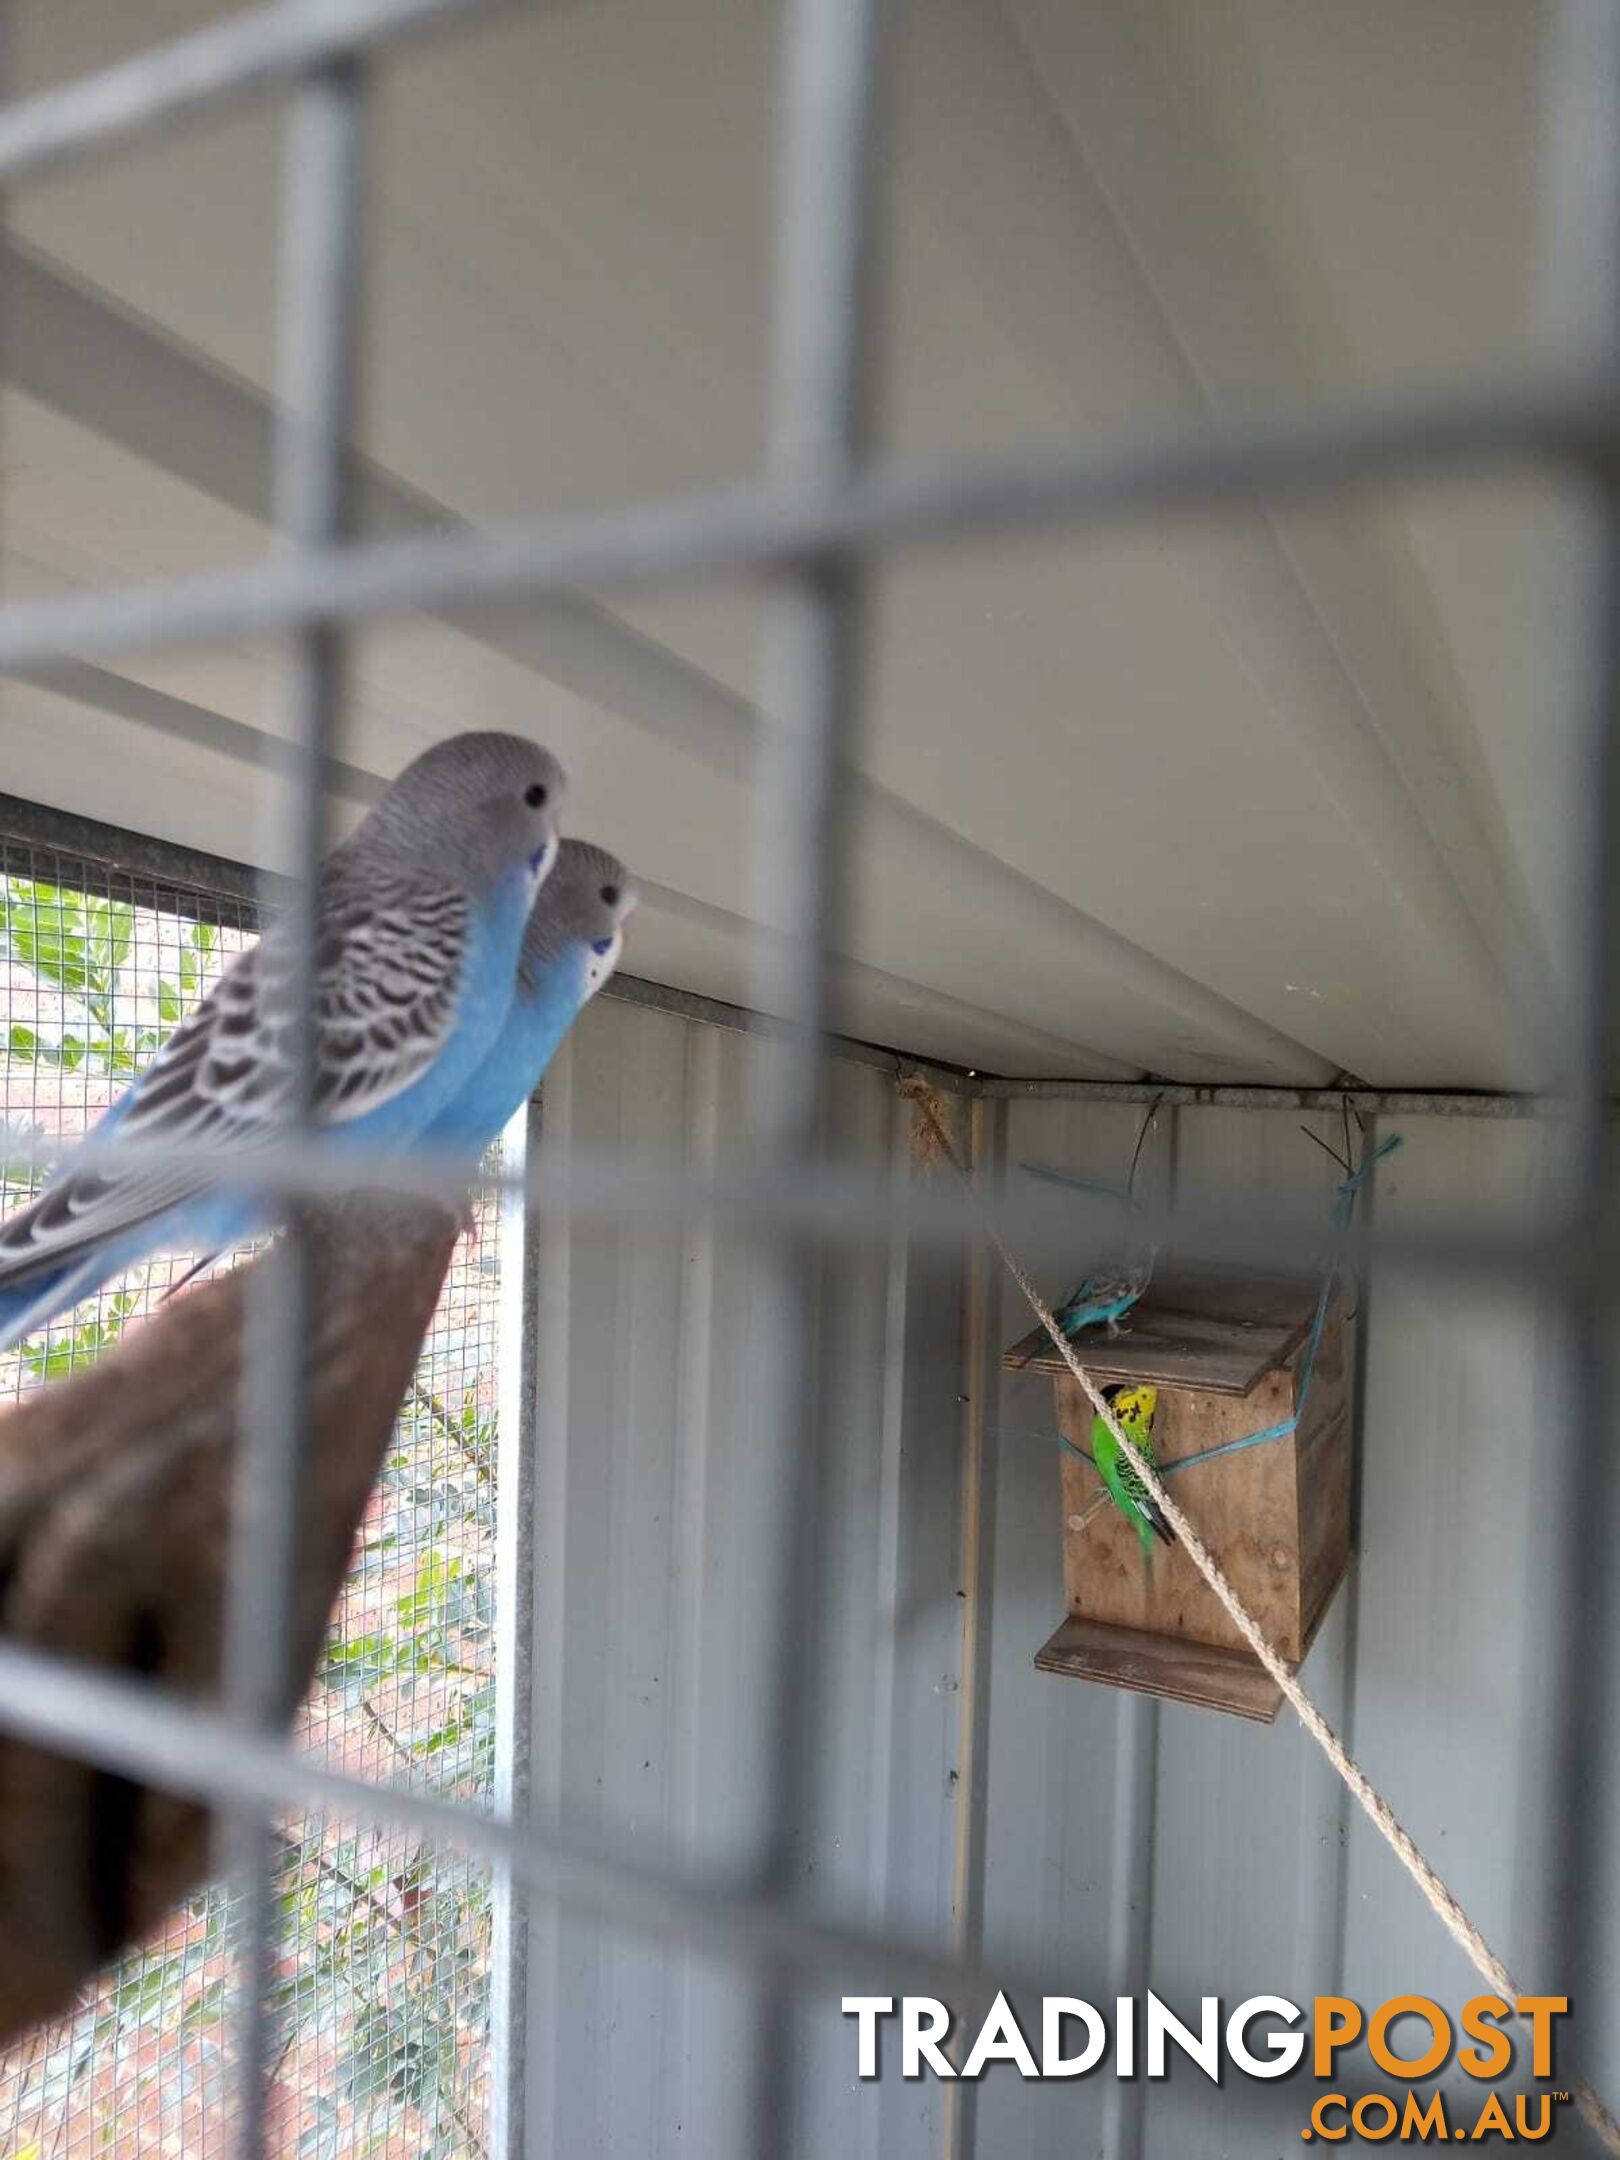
(1227, 1354)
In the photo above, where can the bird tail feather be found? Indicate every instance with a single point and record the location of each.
(32, 1304)
(196, 1268)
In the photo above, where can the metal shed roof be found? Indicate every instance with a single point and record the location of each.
(1276, 797)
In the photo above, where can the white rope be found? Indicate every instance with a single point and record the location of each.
(1441, 1901)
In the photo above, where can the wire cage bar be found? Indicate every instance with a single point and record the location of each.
(810, 527)
(820, 395)
(1564, 425)
(320, 318)
(1581, 1880)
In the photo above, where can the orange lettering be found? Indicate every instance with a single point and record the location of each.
(1492, 2118)
(1385, 2016)
(1319, 2119)
(1338, 2022)
(1478, 2022)
(1543, 2125)
(1361, 2112)
(1424, 2122)
(1541, 2010)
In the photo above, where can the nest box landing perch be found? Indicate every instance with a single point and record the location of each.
(1226, 1353)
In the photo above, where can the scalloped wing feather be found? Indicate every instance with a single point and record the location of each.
(389, 966)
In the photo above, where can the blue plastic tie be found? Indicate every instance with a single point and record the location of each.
(1236, 1447)
(1076, 1184)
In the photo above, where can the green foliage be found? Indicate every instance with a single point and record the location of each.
(392, 2051)
(79, 945)
(65, 1346)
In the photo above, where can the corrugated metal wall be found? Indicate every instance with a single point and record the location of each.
(655, 1601)
(1121, 1842)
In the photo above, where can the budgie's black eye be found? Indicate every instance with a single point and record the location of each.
(610, 895)
(534, 795)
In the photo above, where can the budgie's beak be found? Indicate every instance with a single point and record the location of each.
(606, 952)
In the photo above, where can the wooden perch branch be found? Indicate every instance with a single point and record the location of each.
(115, 1496)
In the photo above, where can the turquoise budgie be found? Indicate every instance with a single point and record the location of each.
(571, 947)
(422, 913)
(1135, 1408)
(1107, 1294)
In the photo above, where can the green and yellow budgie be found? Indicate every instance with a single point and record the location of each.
(1134, 1407)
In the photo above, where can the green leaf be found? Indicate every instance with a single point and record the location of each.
(125, 1050)
(109, 931)
(436, 1578)
(356, 1651)
(208, 2007)
(44, 930)
(62, 1349)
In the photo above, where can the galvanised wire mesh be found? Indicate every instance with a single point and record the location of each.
(383, 1980)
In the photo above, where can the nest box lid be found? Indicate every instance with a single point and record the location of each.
(1215, 1328)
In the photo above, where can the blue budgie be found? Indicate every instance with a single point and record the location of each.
(423, 910)
(571, 947)
(1107, 1294)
